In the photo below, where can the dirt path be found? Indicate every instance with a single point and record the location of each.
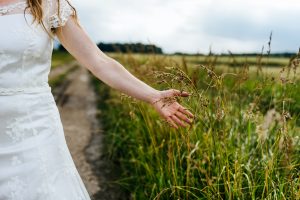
(61, 69)
(76, 102)
(77, 110)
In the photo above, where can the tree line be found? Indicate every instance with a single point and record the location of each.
(150, 48)
(125, 48)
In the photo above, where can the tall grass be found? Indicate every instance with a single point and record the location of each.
(244, 143)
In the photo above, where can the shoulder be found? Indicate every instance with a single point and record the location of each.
(58, 12)
(57, 5)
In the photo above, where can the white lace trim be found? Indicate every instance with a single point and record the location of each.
(4, 10)
(65, 12)
(10, 91)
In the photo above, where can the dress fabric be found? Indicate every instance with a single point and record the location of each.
(35, 162)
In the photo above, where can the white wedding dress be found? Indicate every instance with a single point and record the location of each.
(35, 162)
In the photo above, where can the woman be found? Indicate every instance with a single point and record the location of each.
(35, 162)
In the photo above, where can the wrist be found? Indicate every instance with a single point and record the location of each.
(153, 97)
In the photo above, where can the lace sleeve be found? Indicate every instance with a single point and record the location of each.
(59, 12)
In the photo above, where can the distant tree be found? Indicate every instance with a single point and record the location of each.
(125, 48)
(61, 48)
(149, 48)
(280, 55)
(129, 48)
(187, 54)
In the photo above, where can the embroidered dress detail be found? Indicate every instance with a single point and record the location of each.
(65, 11)
(7, 91)
(4, 10)
(35, 162)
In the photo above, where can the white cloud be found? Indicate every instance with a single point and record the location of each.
(194, 25)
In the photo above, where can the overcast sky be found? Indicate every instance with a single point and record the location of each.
(194, 25)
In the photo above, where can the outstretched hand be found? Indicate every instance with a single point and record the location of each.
(167, 106)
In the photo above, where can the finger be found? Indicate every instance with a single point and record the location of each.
(183, 117)
(180, 93)
(178, 121)
(185, 94)
(175, 92)
(185, 111)
(170, 121)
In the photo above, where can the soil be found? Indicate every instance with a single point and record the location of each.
(76, 101)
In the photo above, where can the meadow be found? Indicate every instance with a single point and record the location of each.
(244, 142)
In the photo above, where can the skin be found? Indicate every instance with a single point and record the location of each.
(3, 3)
(76, 40)
(78, 43)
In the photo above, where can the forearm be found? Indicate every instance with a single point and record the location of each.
(116, 76)
(77, 42)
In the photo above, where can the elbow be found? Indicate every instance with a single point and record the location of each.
(101, 64)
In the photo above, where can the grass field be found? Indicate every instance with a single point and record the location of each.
(60, 58)
(244, 143)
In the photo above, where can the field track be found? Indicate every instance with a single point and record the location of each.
(76, 101)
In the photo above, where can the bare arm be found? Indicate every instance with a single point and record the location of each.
(111, 72)
(75, 39)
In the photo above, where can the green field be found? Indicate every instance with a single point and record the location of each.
(244, 143)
